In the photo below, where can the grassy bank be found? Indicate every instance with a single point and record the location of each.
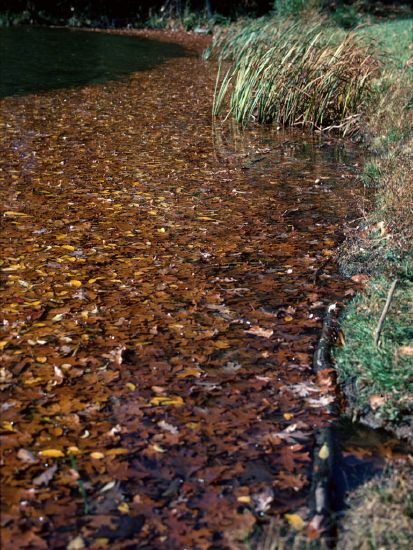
(378, 378)
(305, 72)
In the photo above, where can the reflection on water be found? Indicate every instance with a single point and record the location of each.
(39, 59)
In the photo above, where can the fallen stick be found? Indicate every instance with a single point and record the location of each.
(377, 331)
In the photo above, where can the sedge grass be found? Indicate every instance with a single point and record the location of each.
(292, 72)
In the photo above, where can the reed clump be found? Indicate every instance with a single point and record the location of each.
(294, 72)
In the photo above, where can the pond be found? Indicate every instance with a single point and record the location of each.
(40, 59)
(165, 282)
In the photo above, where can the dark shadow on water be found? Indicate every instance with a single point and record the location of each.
(40, 59)
(361, 453)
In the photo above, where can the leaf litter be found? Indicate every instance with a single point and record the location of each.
(159, 314)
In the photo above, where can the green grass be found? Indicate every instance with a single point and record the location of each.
(383, 374)
(393, 37)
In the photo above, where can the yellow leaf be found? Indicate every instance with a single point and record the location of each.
(205, 218)
(193, 425)
(324, 452)
(13, 267)
(288, 416)
(244, 499)
(68, 247)
(97, 456)
(3, 344)
(288, 319)
(101, 541)
(162, 230)
(117, 451)
(295, 521)
(12, 214)
(67, 258)
(191, 371)
(158, 448)
(130, 386)
(164, 400)
(52, 453)
(41, 359)
(73, 451)
(221, 344)
(7, 426)
(75, 283)
(123, 508)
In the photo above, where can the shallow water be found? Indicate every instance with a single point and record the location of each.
(164, 287)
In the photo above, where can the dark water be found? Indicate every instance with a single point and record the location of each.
(38, 59)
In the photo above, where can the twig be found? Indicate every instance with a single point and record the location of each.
(377, 331)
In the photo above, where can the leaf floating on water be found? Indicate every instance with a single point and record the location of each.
(324, 452)
(116, 452)
(96, 455)
(12, 214)
(76, 544)
(26, 456)
(52, 453)
(245, 499)
(258, 331)
(73, 450)
(13, 267)
(191, 371)
(295, 521)
(123, 508)
(46, 477)
(175, 401)
(7, 426)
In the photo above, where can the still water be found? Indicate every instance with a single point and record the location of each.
(164, 288)
(40, 59)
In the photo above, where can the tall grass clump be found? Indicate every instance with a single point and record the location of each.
(292, 72)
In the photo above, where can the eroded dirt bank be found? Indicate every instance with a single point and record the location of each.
(163, 287)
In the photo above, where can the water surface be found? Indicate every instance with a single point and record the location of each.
(164, 288)
(40, 59)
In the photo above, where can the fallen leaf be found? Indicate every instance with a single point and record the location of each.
(46, 477)
(52, 453)
(26, 456)
(176, 401)
(258, 331)
(295, 521)
(96, 455)
(324, 452)
(76, 544)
